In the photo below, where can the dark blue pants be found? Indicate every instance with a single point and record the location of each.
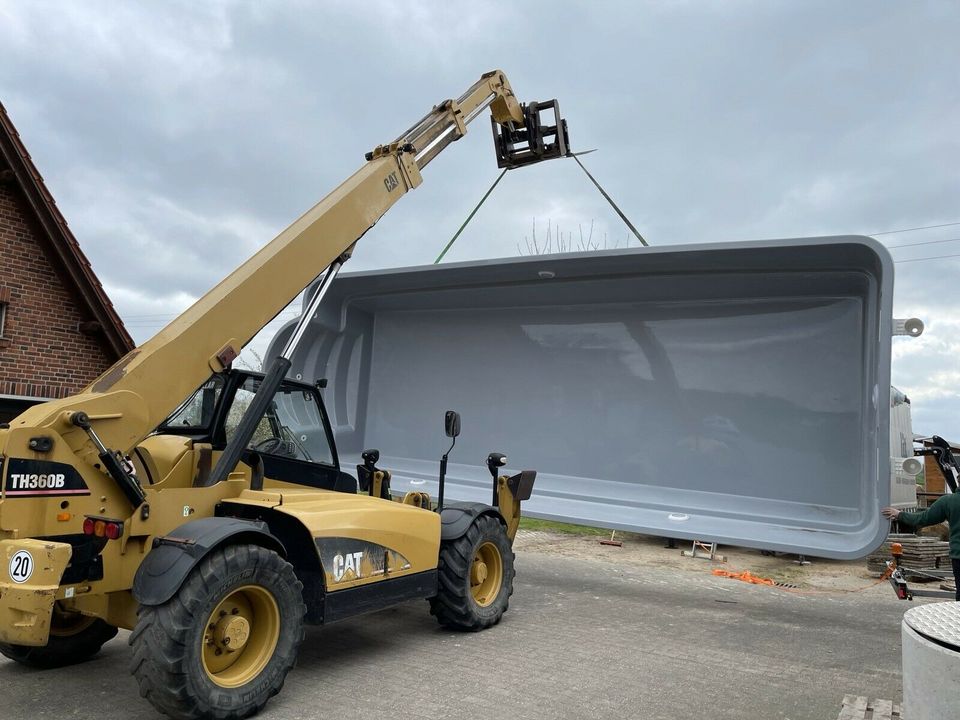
(956, 575)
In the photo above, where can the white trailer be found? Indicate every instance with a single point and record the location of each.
(904, 467)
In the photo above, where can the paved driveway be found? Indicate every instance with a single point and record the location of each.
(582, 639)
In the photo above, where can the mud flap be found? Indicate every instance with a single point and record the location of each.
(161, 574)
(457, 517)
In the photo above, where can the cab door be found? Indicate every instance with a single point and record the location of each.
(293, 437)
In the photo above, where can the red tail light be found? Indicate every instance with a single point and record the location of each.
(103, 527)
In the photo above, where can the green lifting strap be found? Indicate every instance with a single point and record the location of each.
(500, 177)
(470, 216)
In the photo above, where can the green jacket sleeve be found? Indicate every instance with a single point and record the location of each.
(934, 514)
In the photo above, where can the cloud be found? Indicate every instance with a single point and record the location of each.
(161, 246)
(179, 137)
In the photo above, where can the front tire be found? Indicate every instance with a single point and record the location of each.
(223, 645)
(475, 577)
(73, 639)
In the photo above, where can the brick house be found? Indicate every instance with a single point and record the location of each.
(58, 329)
(935, 483)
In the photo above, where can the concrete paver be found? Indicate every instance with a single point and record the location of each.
(582, 639)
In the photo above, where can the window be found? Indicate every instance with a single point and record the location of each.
(292, 427)
(4, 303)
(197, 411)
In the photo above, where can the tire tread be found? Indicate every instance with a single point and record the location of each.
(160, 661)
(62, 651)
(453, 605)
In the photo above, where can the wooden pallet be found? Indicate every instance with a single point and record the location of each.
(919, 553)
(857, 707)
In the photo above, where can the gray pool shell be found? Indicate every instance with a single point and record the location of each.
(734, 392)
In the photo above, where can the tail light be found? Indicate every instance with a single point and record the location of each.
(103, 527)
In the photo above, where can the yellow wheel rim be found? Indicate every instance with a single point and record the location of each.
(486, 574)
(65, 623)
(240, 636)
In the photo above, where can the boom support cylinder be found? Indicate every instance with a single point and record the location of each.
(271, 382)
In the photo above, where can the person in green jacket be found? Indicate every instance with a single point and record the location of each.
(945, 508)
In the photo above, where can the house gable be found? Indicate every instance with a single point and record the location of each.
(59, 329)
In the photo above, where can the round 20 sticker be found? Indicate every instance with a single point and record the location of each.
(21, 566)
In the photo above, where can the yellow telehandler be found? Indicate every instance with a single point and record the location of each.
(204, 507)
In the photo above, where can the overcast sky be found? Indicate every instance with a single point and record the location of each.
(179, 137)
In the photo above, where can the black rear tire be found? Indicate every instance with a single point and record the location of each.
(172, 642)
(73, 639)
(461, 602)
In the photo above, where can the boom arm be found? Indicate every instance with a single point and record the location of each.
(140, 390)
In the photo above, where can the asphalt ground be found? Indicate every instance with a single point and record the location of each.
(582, 639)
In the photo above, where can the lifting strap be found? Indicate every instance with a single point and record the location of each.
(497, 182)
(610, 200)
(470, 216)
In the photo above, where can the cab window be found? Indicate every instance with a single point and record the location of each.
(292, 426)
(197, 412)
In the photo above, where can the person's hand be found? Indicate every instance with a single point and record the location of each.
(891, 513)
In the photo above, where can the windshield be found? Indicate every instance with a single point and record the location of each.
(292, 426)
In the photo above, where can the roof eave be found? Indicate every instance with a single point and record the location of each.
(60, 239)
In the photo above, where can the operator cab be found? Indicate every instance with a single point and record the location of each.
(293, 439)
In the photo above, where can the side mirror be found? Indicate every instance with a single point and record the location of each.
(451, 423)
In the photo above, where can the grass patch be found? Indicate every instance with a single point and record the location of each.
(552, 526)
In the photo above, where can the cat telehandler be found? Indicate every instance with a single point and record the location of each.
(204, 507)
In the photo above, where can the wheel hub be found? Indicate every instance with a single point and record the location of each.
(486, 574)
(231, 633)
(240, 636)
(478, 573)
